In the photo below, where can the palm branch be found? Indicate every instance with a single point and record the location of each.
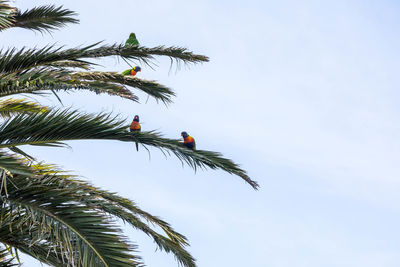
(53, 198)
(43, 18)
(50, 128)
(13, 60)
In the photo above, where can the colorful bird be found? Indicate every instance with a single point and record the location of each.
(132, 72)
(188, 141)
(135, 127)
(132, 41)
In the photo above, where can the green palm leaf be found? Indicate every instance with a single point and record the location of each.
(14, 165)
(44, 18)
(63, 125)
(126, 210)
(36, 194)
(9, 107)
(80, 228)
(39, 82)
(152, 88)
(13, 60)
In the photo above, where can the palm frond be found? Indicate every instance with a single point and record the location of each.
(14, 165)
(87, 236)
(54, 80)
(6, 260)
(63, 125)
(18, 238)
(42, 197)
(20, 152)
(19, 231)
(10, 107)
(6, 18)
(13, 60)
(44, 18)
(126, 210)
(70, 64)
(152, 88)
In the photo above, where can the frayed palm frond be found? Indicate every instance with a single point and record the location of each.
(44, 18)
(10, 107)
(63, 125)
(152, 88)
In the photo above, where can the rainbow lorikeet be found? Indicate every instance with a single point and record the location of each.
(132, 72)
(132, 41)
(135, 127)
(188, 141)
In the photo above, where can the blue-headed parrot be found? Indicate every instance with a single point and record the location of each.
(188, 141)
(132, 71)
(135, 127)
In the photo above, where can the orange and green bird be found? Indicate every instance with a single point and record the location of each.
(132, 72)
(188, 141)
(135, 127)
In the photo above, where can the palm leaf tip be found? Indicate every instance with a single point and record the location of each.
(11, 107)
(44, 18)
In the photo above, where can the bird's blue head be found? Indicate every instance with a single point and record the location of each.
(184, 134)
(136, 118)
(137, 68)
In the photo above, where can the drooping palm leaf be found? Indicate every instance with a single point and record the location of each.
(152, 88)
(41, 194)
(63, 125)
(124, 209)
(80, 228)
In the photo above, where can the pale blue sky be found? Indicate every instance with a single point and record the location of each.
(303, 94)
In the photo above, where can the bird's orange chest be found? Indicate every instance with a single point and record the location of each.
(135, 125)
(188, 139)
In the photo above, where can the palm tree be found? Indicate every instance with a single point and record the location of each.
(53, 215)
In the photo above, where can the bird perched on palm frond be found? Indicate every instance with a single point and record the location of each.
(135, 127)
(132, 41)
(188, 141)
(132, 71)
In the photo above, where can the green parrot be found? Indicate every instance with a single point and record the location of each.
(132, 41)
